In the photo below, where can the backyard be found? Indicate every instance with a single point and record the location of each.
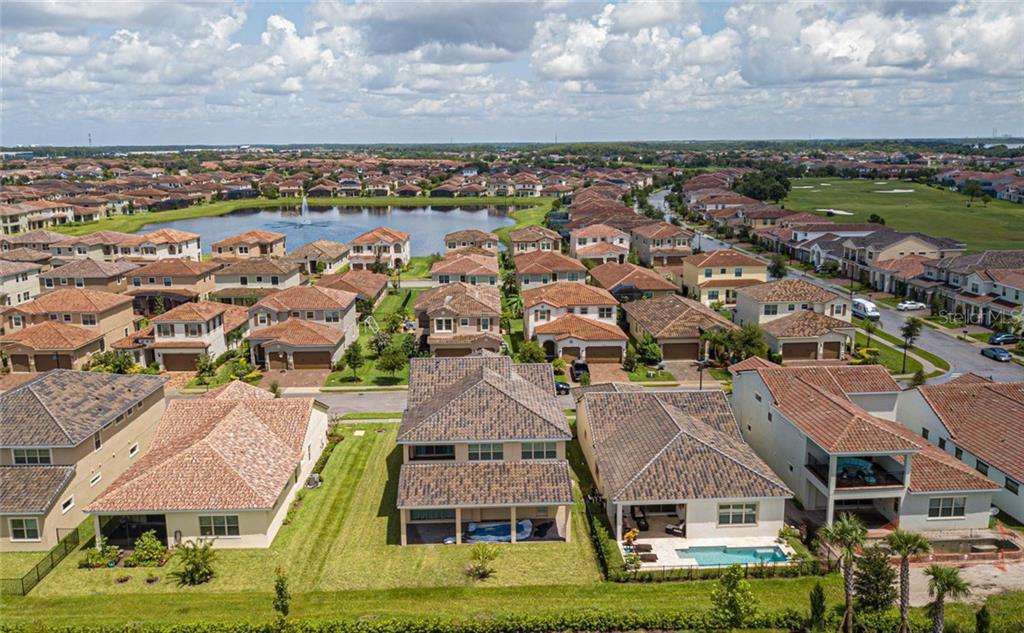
(996, 225)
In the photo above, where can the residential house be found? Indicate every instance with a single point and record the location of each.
(469, 265)
(980, 423)
(204, 328)
(829, 433)
(715, 276)
(19, 282)
(471, 238)
(946, 281)
(39, 240)
(534, 238)
(33, 215)
(893, 275)
(661, 243)
(538, 267)
(113, 245)
(800, 320)
(320, 257)
(91, 274)
(246, 281)
(676, 324)
(527, 185)
(628, 282)
(105, 313)
(256, 243)
(386, 245)
(304, 327)
(168, 283)
(365, 284)
(599, 243)
(457, 319)
(65, 436)
(861, 252)
(208, 446)
(574, 321)
(483, 445)
(674, 466)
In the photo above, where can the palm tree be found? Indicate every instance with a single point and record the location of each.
(911, 330)
(906, 544)
(869, 328)
(718, 343)
(944, 582)
(848, 534)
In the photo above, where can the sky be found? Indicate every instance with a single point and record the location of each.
(154, 73)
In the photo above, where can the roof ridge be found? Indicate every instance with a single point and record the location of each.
(47, 409)
(660, 451)
(529, 404)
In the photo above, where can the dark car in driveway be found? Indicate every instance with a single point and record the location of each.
(1003, 338)
(577, 369)
(997, 354)
(561, 388)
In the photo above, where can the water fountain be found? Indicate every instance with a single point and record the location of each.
(304, 212)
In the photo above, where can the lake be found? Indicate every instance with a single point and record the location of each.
(427, 225)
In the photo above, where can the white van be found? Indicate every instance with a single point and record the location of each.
(864, 309)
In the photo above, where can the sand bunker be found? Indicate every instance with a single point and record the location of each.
(894, 191)
(803, 187)
(835, 211)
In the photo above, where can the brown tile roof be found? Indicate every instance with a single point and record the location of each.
(805, 324)
(539, 262)
(250, 237)
(789, 290)
(381, 234)
(722, 258)
(73, 300)
(63, 408)
(299, 333)
(612, 275)
(258, 266)
(168, 236)
(661, 230)
(598, 230)
(39, 236)
(321, 249)
(91, 269)
(729, 283)
(176, 267)
(308, 298)
(22, 254)
(574, 326)
(484, 404)
(754, 362)
(427, 376)
(462, 263)
(599, 250)
(905, 267)
(32, 489)
(470, 235)
(460, 299)
(492, 483)
(672, 316)
(365, 283)
(563, 294)
(9, 268)
(51, 336)
(673, 446)
(606, 387)
(532, 234)
(986, 418)
(214, 454)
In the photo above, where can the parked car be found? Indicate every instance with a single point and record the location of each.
(864, 309)
(562, 388)
(905, 306)
(578, 368)
(997, 354)
(1003, 338)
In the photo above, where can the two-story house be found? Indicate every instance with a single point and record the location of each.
(534, 238)
(715, 276)
(168, 283)
(829, 433)
(367, 285)
(574, 321)
(676, 324)
(65, 436)
(304, 327)
(458, 318)
(38, 240)
(471, 238)
(599, 243)
(800, 320)
(483, 445)
(991, 295)
(112, 245)
(945, 279)
(469, 265)
(19, 282)
(661, 243)
(628, 282)
(861, 253)
(256, 243)
(539, 267)
(320, 257)
(91, 274)
(246, 281)
(383, 244)
(203, 328)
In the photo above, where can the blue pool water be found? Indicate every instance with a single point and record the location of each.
(716, 556)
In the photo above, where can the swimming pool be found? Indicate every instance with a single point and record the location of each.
(720, 555)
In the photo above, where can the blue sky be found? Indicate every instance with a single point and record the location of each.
(135, 72)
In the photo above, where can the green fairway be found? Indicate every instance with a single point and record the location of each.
(935, 211)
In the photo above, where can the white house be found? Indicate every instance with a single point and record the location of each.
(204, 328)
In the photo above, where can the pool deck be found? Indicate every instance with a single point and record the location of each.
(665, 548)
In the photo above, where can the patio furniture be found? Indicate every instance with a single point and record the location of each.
(648, 558)
(676, 530)
(642, 548)
(641, 521)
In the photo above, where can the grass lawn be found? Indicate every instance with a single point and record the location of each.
(372, 415)
(419, 268)
(890, 357)
(532, 215)
(17, 564)
(997, 225)
(640, 375)
(368, 373)
(934, 359)
(514, 337)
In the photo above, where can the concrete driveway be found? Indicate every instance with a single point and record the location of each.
(295, 378)
(607, 372)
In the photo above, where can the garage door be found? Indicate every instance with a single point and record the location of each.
(312, 360)
(793, 351)
(180, 362)
(277, 360)
(19, 362)
(680, 351)
(604, 354)
(570, 353)
(450, 352)
(46, 362)
(831, 350)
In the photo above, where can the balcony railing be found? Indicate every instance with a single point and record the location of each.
(851, 476)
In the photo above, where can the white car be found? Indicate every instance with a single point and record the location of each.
(905, 306)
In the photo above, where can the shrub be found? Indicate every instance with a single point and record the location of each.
(380, 342)
(196, 563)
(149, 551)
(101, 556)
(481, 557)
(559, 365)
(629, 361)
(648, 350)
(275, 388)
(734, 603)
(874, 581)
(391, 361)
(531, 352)
(585, 379)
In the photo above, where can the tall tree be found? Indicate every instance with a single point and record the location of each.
(906, 544)
(910, 331)
(847, 534)
(944, 582)
(875, 580)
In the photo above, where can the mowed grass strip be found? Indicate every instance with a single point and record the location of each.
(931, 210)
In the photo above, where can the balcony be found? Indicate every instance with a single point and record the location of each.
(855, 472)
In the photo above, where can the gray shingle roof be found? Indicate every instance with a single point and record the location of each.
(31, 489)
(494, 483)
(429, 375)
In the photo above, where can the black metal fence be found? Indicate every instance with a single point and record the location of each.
(21, 586)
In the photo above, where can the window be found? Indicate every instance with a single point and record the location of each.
(946, 507)
(274, 280)
(164, 329)
(539, 450)
(133, 451)
(712, 295)
(770, 309)
(262, 318)
(310, 316)
(48, 282)
(79, 282)
(218, 525)
(958, 452)
(443, 325)
(67, 505)
(1012, 486)
(542, 315)
(707, 273)
(485, 452)
(31, 456)
(757, 397)
(97, 441)
(95, 479)
(604, 313)
(332, 317)
(167, 281)
(942, 443)
(443, 279)
(433, 451)
(485, 323)
(464, 322)
(981, 467)
(431, 515)
(16, 320)
(737, 514)
(26, 529)
(136, 281)
(924, 433)
(737, 272)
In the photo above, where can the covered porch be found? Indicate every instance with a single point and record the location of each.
(513, 524)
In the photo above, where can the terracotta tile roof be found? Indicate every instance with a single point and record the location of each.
(51, 336)
(321, 249)
(168, 236)
(237, 390)
(22, 254)
(249, 237)
(599, 230)
(563, 294)
(299, 333)
(63, 408)
(600, 249)
(796, 290)
(91, 269)
(32, 489)
(805, 324)
(492, 483)
(381, 234)
(533, 234)
(574, 326)
(673, 446)
(483, 404)
(97, 238)
(474, 340)
(605, 387)
(935, 470)
(460, 299)
(39, 236)
(214, 454)
(364, 283)
(672, 316)
(462, 263)
(539, 262)
(202, 311)
(308, 298)
(722, 258)
(73, 300)
(612, 275)
(430, 375)
(754, 362)
(9, 269)
(737, 282)
(176, 267)
(986, 418)
(905, 267)
(661, 230)
(470, 235)
(258, 266)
